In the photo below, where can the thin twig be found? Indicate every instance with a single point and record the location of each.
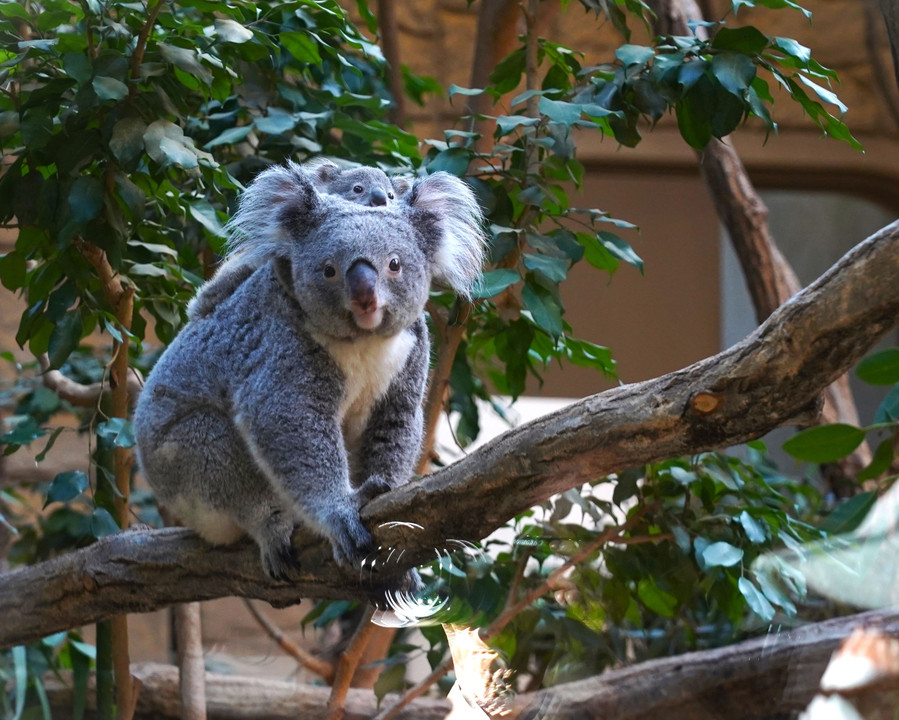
(347, 665)
(320, 667)
(137, 57)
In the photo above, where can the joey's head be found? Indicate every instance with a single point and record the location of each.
(357, 269)
(363, 185)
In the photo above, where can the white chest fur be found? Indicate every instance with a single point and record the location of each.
(369, 365)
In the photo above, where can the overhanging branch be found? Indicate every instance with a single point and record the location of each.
(762, 382)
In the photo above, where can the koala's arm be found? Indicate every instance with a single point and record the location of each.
(391, 442)
(286, 412)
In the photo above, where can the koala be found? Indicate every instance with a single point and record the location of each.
(297, 398)
(363, 185)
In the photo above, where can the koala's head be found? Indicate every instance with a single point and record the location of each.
(363, 185)
(360, 270)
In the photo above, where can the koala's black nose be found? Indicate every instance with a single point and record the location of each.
(378, 196)
(362, 281)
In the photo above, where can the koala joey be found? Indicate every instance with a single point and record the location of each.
(297, 398)
(363, 185)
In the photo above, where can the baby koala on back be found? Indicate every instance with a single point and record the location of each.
(298, 397)
(363, 185)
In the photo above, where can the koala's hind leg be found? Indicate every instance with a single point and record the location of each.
(203, 472)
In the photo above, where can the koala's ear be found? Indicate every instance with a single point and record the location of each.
(281, 204)
(323, 172)
(400, 186)
(445, 212)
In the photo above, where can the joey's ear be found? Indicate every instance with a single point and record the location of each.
(400, 186)
(323, 172)
(281, 204)
(444, 211)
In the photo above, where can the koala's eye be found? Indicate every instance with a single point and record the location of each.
(358, 189)
(394, 265)
(390, 195)
(329, 271)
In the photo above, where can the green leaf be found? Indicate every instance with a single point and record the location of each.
(881, 368)
(13, 271)
(66, 486)
(85, 198)
(753, 529)
(734, 71)
(20, 684)
(721, 554)
(494, 282)
(64, 338)
(888, 410)
(229, 31)
(694, 112)
(127, 141)
(748, 40)
(117, 430)
(823, 93)
(166, 143)
(467, 92)
(631, 55)
(849, 514)
(794, 49)
(559, 111)
(108, 88)
(230, 136)
(103, 524)
(204, 213)
(825, 443)
(620, 249)
(186, 59)
(303, 48)
(656, 599)
(23, 433)
(276, 123)
(507, 74)
(543, 308)
(453, 160)
(757, 602)
(880, 463)
(507, 123)
(553, 269)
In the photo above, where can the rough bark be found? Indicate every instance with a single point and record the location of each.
(767, 677)
(762, 382)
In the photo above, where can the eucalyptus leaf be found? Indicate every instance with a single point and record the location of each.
(67, 486)
(825, 443)
(757, 602)
(881, 368)
(721, 554)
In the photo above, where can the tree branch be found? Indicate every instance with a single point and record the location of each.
(771, 676)
(760, 383)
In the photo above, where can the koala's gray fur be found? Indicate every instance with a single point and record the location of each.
(364, 185)
(298, 397)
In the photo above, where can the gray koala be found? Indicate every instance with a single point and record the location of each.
(298, 397)
(363, 185)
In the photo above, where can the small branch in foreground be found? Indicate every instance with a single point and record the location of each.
(320, 667)
(348, 663)
(79, 394)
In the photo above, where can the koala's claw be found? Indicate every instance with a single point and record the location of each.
(351, 541)
(278, 560)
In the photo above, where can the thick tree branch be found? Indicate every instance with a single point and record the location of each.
(757, 385)
(771, 676)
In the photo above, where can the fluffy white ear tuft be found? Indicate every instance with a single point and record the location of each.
(281, 202)
(459, 251)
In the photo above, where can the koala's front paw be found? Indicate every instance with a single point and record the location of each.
(352, 543)
(371, 488)
(278, 559)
